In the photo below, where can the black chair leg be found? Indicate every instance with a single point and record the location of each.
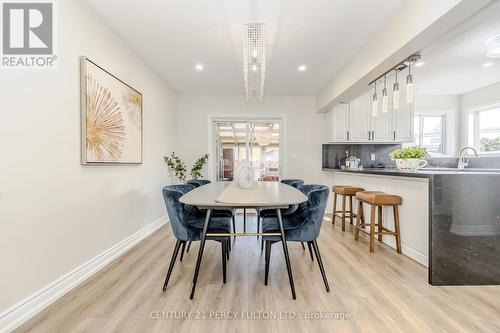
(258, 225)
(224, 256)
(320, 263)
(189, 246)
(268, 260)
(310, 250)
(244, 220)
(172, 263)
(262, 245)
(200, 253)
(182, 250)
(234, 225)
(228, 247)
(303, 247)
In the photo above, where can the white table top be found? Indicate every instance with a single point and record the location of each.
(228, 195)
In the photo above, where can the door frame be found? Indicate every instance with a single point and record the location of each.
(212, 118)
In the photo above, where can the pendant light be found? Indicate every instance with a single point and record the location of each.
(395, 94)
(409, 85)
(385, 98)
(375, 102)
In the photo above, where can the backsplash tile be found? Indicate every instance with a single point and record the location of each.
(334, 154)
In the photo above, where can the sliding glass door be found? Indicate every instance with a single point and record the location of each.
(253, 140)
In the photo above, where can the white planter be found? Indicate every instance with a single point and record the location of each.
(411, 164)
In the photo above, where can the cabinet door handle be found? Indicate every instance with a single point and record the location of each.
(369, 135)
(347, 135)
(394, 135)
(373, 135)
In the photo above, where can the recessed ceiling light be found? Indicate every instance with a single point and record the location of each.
(302, 68)
(487, 64)
(199, 67)
(419, 64)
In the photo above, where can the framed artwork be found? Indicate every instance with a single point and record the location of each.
(111, 118)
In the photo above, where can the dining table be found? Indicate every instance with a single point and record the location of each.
(229, 195)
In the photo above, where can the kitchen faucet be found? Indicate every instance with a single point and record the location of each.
(463, 161)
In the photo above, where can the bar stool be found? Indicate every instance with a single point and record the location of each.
(344, 191)
(378, 199)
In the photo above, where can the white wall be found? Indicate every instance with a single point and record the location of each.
(54, 213)
(303, 137)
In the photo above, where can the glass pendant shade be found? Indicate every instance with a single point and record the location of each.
(409, 89)
(385, 101)
(375, 105)
(395, 96)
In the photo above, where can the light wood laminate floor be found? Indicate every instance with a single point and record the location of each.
(382, 292)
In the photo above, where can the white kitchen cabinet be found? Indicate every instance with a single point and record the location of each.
(381, 123)
(359, 119)
(341, 123)
(354, 121)
(402, 120)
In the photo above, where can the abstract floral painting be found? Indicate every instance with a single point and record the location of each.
(111, 118)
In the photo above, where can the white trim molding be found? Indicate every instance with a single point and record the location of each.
(27, 308)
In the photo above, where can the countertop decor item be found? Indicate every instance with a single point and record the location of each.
(409, 159)
(352, 162)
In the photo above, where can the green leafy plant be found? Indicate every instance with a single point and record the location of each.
(198, 166)
(407, 153)
(352, 158)
(176, 166)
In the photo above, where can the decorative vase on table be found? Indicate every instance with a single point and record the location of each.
(244, 176)
(409, 159)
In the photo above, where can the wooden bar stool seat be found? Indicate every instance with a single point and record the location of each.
(344, 191)
(378, 199)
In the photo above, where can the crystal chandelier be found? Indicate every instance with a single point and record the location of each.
(254, 60)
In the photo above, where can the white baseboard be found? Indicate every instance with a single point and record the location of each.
(410, 252)
(20, 312)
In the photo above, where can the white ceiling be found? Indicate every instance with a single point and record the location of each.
(453, 65)
(173, 35)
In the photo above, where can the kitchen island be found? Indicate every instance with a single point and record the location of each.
(450, 219)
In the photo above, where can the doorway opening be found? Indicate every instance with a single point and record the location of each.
(255, 140)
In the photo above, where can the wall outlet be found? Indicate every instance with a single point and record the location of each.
(372, 157)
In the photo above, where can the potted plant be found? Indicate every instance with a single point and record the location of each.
(178, 168)
(352, 162)
(409, 159)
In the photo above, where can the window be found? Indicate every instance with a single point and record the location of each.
(429, 132)
(484, 130)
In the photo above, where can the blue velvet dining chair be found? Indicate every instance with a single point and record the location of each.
(198, 182)
(187, 225)
(232, 212)
(303, 225)
(261, 212)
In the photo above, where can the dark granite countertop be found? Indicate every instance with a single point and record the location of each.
(421, 173)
